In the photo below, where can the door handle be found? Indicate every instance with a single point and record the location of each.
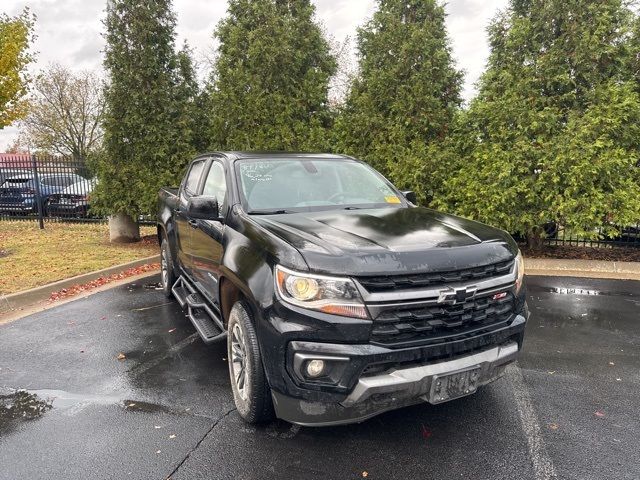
(193, 223)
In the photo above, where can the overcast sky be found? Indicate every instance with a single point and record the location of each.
(69, 31)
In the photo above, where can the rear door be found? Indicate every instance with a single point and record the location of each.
(184, 226)
(206, 238)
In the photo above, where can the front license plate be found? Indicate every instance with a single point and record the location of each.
(454, 385)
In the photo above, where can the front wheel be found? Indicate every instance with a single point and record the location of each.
(167, 275)
(251, 392)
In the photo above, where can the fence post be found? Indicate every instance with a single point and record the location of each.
(36, 179)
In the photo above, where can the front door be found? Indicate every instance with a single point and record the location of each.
(207, 238)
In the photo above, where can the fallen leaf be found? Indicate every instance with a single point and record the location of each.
(553, 426)
(158, 451)
(552, 372)
(598, 413)
(618, 379)
(172, 436)
(121, 356)
(75, 289)
(172, 330)
(365, 474)
(611, 363)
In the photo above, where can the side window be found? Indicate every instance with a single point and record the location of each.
(191, 183)
(216, 185)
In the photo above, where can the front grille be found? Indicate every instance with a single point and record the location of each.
(407, 324)
(418, 280)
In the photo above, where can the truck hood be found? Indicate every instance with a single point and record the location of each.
(389, 240)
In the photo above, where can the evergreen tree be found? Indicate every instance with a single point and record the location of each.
(147, 138)
(404, 101)
(270, 84)
(552, 129)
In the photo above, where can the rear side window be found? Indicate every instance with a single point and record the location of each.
(56, 181)
(193, 178)
(16, 182)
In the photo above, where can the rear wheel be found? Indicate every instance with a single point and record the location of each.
(167, 275)
(251, 392)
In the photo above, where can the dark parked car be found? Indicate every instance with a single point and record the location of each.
(73, 201)
(18, 192)
(338, 298)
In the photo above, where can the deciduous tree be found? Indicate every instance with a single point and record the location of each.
(65, 112)
(16, 35)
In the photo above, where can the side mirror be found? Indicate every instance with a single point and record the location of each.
(410, 196)
(203, 208)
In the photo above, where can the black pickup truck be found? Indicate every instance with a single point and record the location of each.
(338, 297)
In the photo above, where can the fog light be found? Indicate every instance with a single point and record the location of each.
(315, 368)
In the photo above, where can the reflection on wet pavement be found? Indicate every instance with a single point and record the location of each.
(21, 405)
(574, 291)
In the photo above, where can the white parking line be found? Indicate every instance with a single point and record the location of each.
(542, 465)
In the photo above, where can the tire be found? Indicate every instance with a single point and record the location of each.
(167, 275)
(251, 392)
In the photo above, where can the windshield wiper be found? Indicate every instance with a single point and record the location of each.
(269, 212)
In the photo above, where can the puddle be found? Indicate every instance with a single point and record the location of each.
(22, 405)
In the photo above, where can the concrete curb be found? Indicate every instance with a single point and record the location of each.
(20, 300)
(582, 268)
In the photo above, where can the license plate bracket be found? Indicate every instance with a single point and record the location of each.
(454, 385)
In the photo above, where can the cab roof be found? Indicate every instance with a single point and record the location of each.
(236, 155)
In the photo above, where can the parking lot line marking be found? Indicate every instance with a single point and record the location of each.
(542, 465)
(145, 366)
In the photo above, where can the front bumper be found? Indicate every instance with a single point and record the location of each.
(393, 389)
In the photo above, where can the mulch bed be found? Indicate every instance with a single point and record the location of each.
(615, 254)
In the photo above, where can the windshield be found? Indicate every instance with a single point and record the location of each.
(283, 186)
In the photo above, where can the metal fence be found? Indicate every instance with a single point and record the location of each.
(627, 236)
(45, 188)
(49, 188)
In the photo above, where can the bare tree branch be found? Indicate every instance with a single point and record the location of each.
(65, 112)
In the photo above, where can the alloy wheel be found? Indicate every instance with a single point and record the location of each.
(239, 360)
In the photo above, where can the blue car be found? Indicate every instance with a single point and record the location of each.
(18, 192)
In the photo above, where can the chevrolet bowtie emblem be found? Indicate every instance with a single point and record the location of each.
(453, 296)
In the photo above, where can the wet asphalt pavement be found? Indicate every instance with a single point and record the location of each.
(571, 410)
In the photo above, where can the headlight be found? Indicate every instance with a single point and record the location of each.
(337, 296)
(519, 271)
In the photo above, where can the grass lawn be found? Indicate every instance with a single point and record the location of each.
(30, 257)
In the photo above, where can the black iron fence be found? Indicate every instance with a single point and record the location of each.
(49, 188)
(45, 188)
(603, 237)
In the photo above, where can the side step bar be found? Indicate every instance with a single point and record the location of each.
(207, 322)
